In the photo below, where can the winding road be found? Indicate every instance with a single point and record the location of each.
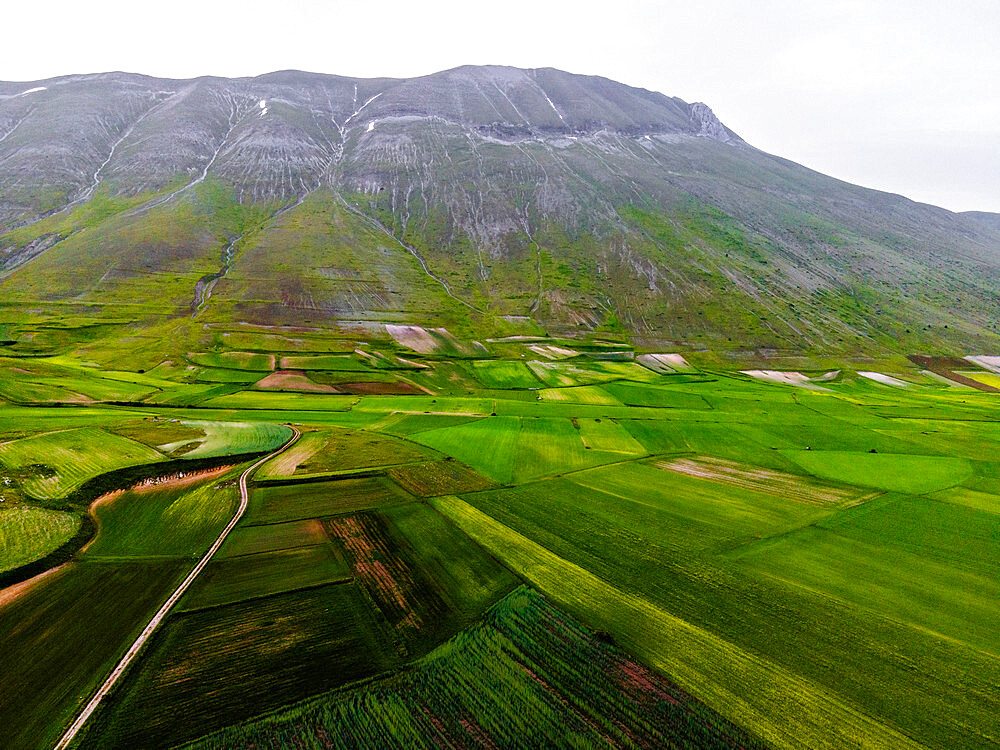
(136, 647)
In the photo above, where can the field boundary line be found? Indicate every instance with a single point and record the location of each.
(137, 646)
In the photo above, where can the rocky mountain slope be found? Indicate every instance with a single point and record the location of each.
(485, 198)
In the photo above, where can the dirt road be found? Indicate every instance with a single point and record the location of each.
(136, 647)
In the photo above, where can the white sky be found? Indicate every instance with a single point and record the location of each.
(901, 95)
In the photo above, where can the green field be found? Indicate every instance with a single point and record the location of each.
(796, 568)
(237, 579)
(162, 522)
(712, 668)
(333, 450)
(234, 360)
(233, 438)
(896, 472)
(504, 374)
(545, 677)
(287, 647)
(248, 540)
(336, 363)
(65, 635)
(28, 533)
(52, 465)
(292, 502)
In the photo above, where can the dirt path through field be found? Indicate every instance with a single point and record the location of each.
(136, 647)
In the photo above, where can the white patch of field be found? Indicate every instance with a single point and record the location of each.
(826, 376)
(778, 483)
(879, 377)
(413, 337)
(426, 340)
(664, 363)
(411, 363)
(796, 379)
(987, 362)
(550, 351)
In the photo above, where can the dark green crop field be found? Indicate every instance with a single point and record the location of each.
(63, 636)
(572, 552)
(527, 671)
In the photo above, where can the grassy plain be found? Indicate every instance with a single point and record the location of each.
(292, 502)
(28, 533)
(151, 522)
(789, 558)
(64, 635)
(527, 670)
(52, 465)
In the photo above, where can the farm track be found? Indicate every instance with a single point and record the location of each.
(136, 647)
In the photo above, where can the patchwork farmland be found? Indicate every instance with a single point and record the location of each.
(588, 552)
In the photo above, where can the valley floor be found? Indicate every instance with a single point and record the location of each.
(543, 544)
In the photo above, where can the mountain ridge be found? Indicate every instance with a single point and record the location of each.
(577, 201)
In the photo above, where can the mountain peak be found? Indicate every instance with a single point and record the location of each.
(709, 126)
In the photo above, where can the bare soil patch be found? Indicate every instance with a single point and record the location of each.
(286, 380)
(777, 483)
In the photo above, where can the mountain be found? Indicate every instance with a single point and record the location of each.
(489, 200)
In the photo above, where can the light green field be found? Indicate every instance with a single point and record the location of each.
(337, 363)
(608, 435)
(281, 401)
(218, 375)
(52, 465)
(581, 394)
(28, 533)
(234, 360)
(504, 374)
(487, 445)
(885, 471)
(584, 372)
(234, 438)
(162, 522)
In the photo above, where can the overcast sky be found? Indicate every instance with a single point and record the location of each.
(901, 95)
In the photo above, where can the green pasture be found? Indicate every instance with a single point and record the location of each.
(500, 373)
(244, 577)
(331, 362)
(155, 522)
(885, 471)
(508, 677)
(332, 450)
(28, 533)
(234, 438)
(234, 360)
(51, 465)
(293, 502)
